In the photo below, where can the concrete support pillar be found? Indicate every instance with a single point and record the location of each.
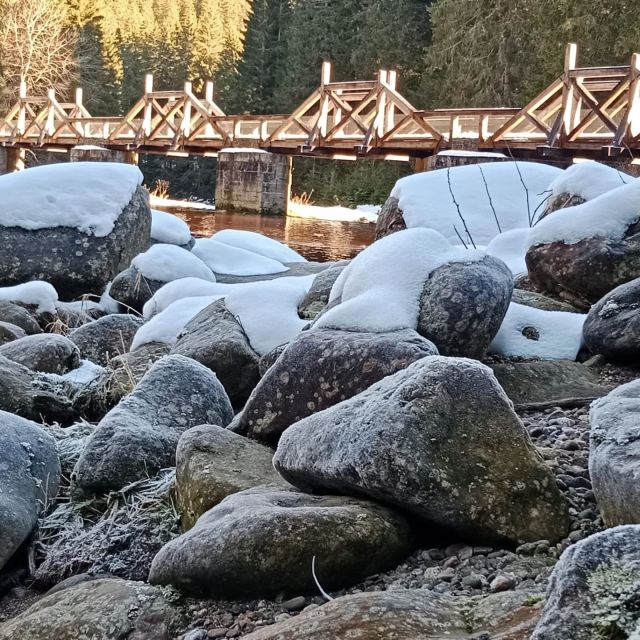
(100, 154)
(253, 182)
(11, 159)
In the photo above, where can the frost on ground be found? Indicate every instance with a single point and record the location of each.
(258, 243)
(535, 333)
(166, 262)
(169, 229)
(229, 260)
(380, 289)
(40, 294)
(89, 196)
(492, 198)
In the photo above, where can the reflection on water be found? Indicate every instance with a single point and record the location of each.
(316, 240)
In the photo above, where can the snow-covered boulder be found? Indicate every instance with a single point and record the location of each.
(75, 225)
(169, 229)
(469, 204)
(614, 454)
(582, 182)
(593, 591)
(415, 279)
(612, 327)
(583, 252)
(321, 368)
(29, 477)
(140, 435)
(260, 542)
(318, 295)
(440, 440)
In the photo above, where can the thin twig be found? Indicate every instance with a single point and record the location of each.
(486, 188)
(526, 190)
(464, 222)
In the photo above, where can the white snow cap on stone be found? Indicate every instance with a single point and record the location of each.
(511, 248)
(588, 180)
(380, 288)
(40, 294)
(223, 258)
(89, 196)
(607, 216)
(258, 243)
(182, 288)
(426, 199)
(558, 333)
(167, 262)
(169, 229)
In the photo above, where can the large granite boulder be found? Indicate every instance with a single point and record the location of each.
(261, 542)
(409, 614)
(17, 315)
(614, 454)
(320, 368)
(318, 295)
(29, 477)
(44, 352)
(538, 301)
(106, 338)
(440, 440)
(390, 218)
(593, 591)
(139, 436)
(10, 332)
(53, 226)
(132, 290)
(463, 305)
(612, 327)
(106, 609)
(217, 340)
(212, 463)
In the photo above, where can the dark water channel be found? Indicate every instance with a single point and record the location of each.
(316, 240)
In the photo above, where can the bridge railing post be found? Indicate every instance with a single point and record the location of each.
(22, 115)
(569, 109)
(148, 106)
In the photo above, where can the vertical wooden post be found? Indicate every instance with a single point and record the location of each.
(148, 106)
(22, 116)
(78, 126)
(186, 115)
(634, 96)
(568, 94)
(15, 159)
(51, 113)
(381, 106)
(208, 98)
(391, 107)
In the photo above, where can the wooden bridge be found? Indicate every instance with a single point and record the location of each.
(591, 112)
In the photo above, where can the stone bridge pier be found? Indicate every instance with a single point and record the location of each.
(253, 181)
(11, 159)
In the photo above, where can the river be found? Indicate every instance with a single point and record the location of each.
(316, 240)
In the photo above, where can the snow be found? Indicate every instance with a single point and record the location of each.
(268, 311)
(426, 201)
(258, 243)
(362, 213)
(560, 334)
(79, 306)
(182, 288)
(167, 325)
(167, 262)
(180, 204)
(89, 196)
(588, 179)
(511, 248)
(40, 294)
(381, 287)
(471, 154)
(109, 304)
(606, 216)
(241, 150)
(223, 258)
(85, 374)
(169, 229)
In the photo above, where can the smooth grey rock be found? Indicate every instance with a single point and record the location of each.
(106, 338)
(269, 359)
(44, 352)
(612, 327)
(318, 295)
(320, 368)
(132, 290)
(69, 316)
(17, 315)
(139, 436)
(462, 306)
(213, 463)
(75, 263)
(548, 382)
(538, 301)
(440, 440)
(107, 609)
(593, 591)
(261, 542)
(409, 614)
(28, 395)
(614, 454)
(10, 332)
(217, 340)
(29, 479)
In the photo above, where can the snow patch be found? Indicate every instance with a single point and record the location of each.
(588, 180)
(89, 196)
(182, 288)
(223, 258)
(426, 198)
(511, 248)
(606, 216)
(169, 229)
(534, 333)
(85, 374)
(258, 243)
(380, 289)
(38, 293)
(167, 262)
(362, 213)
